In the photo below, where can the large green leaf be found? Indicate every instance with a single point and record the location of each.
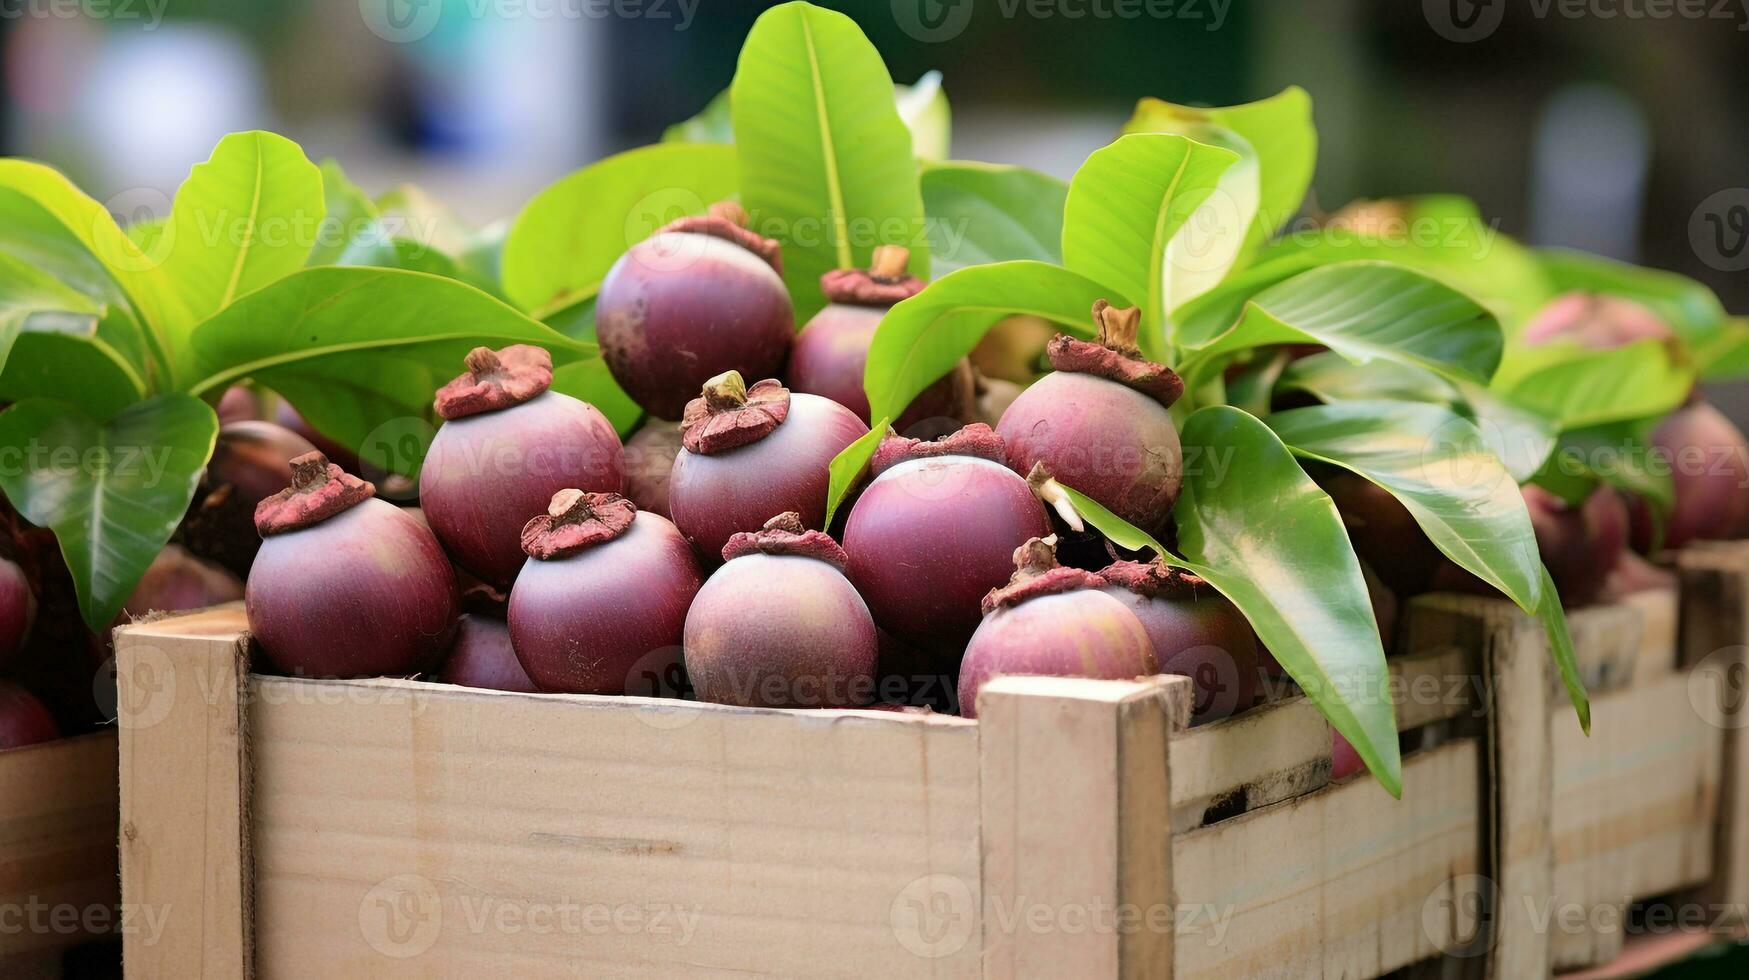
(81, 370)
(140, 276)
(1439, 467)
(1616, 454)
(710, 125)
(1279, 134)
(1519, 438)
(1364, 311)
(1690, 308)
(922, 338)
(244, 218)
(1260, 531)
(1580, 387)
(30, 296)
(826, 162)
(1725, 356)
(1125, 206)
(985, 212)
(1443, 236)
(1554, 620)
(850, 464)
(112, 492)
(354, 348)
(566, 238)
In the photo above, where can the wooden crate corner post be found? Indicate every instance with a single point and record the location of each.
(1075, 823)
(1715, 650)
(184, 794)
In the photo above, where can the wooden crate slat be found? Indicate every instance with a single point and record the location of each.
(58, 812)
(1337, 883)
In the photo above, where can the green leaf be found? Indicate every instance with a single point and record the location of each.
(922, 338)
(1725, 357)
(1293, 574)
(32, 299)
(923, 107)
(1616, 454)
(47, 221)
(1364, 311)
(1520, 439)
(1443, 236)
(711, 125)
(1439, 467)
(348, 216)
(1125, 206)
(564, 241)
(112, 492)
(1121, 532)
(1691, 309)
(355, 348)
(83, 371)
(983, 212)
(826, 164)
(145, 234)
(242, 219)
(1278, 133)
(1554, 620)
(850, 464)
(1277, 147)
(1581, 387)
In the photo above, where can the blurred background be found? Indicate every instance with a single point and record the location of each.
(1602, 124)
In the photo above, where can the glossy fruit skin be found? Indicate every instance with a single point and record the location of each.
(607, 619)
(781, 631)
(366, 593)
(17, 609)
(1708, 458)
(1108, 441)
(23, 719)
(483, 657)
(486, 475)
(251, 461)
(929, 537)
(1204, 638)
(1084, 633)
(713, 496)
(1384, 533)
(650, 454)
(681, 308)
(831, 352)
(1344, 760)
(177, 581)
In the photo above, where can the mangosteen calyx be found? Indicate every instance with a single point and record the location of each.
(319, 490)
(728, 220)
(496, 380)
(1154, 579)
(1115, 356)
(883, 283)
(729, 414)
(785, 534)
(977, 440)
(576, 521)
(1036, 574)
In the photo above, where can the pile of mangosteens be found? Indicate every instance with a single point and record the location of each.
(695, 558)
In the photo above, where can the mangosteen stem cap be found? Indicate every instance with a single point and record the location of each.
(730, 211)
(495, 380)
(309, 472)
(319, 490)
(1036, 574)
(785, 534)
(888, 263)
(725, 391)
(576, 521)
(1117, 327)
(1046, 488)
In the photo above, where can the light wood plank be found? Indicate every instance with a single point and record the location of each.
(58, 815)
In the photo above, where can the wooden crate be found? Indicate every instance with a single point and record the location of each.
(1581, 827)
(396, 828)
(58, 885)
